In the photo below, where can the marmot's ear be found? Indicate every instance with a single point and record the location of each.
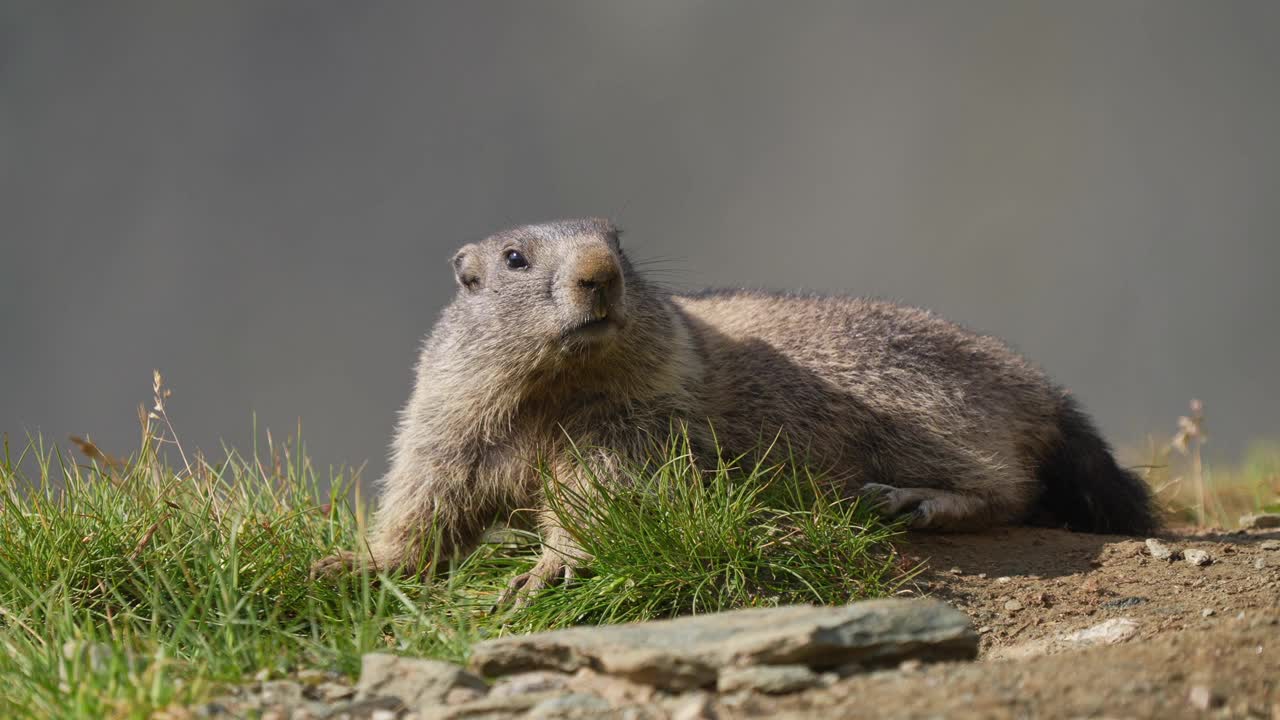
(467, 268)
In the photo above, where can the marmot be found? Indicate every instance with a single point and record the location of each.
(554, 338)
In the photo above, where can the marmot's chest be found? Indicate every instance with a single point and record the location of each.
(590, 420)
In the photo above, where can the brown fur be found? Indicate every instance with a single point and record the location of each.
(915, 412)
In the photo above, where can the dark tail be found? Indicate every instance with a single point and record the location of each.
(1085, 489)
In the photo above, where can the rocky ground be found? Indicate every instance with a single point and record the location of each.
(1060, 624)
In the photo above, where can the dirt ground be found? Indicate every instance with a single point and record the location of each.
(1187, 640)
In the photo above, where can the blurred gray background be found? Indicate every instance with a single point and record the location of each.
(259, 198)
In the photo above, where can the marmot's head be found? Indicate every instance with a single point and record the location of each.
(560, 284)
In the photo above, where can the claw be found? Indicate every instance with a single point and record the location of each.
(882, 498)
(550, 570)
(920, 517)
(873, 493)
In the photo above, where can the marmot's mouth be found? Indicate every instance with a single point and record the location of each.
(595, 327)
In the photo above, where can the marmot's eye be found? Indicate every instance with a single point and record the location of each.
(515, 260)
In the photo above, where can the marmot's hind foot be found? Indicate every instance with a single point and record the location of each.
(927, 508)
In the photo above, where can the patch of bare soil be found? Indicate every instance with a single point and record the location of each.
(1077, 625)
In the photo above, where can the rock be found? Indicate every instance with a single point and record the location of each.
(1110, 632)
(1159, 550)
(489, 708)
(1259, 563)
(1198, 558)
(311, 711)
(689, 652)
(1207, 612)
(1125, 602)
(640, 712)
(330, 691)
(530, 682)
(696, 706)
(771, 679)
(1202, 698)
(1260, 521)
(281, 692)
(1270, 545)
(573, 705)
(212, 709)
(1105, 633)
(460, 695)
(418, 684)
(311, 676)
(617, 690)
(362, 709)
(1013, 606)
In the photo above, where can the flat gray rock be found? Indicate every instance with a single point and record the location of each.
(418, 684)
(573, 705)
(689, 652)
(490, 708)
(771, 679)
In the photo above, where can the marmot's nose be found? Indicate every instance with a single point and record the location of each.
(597, 269)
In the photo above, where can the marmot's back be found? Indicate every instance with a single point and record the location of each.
(893, 355)
(897, 396)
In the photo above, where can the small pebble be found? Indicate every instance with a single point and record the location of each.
(1013, 606)
(1198, 558)
(1004, 579)
(1207, 612)
(332, 691)
(1259, 563)
(956, 571)
(1124, 602)
(1159, 550)
(1270, 545)
(311, 676)
(1202, 698)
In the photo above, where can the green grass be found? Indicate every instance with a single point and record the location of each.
(195, 573)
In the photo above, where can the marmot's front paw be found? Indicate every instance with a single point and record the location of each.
(550, 570)
(334, 566)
